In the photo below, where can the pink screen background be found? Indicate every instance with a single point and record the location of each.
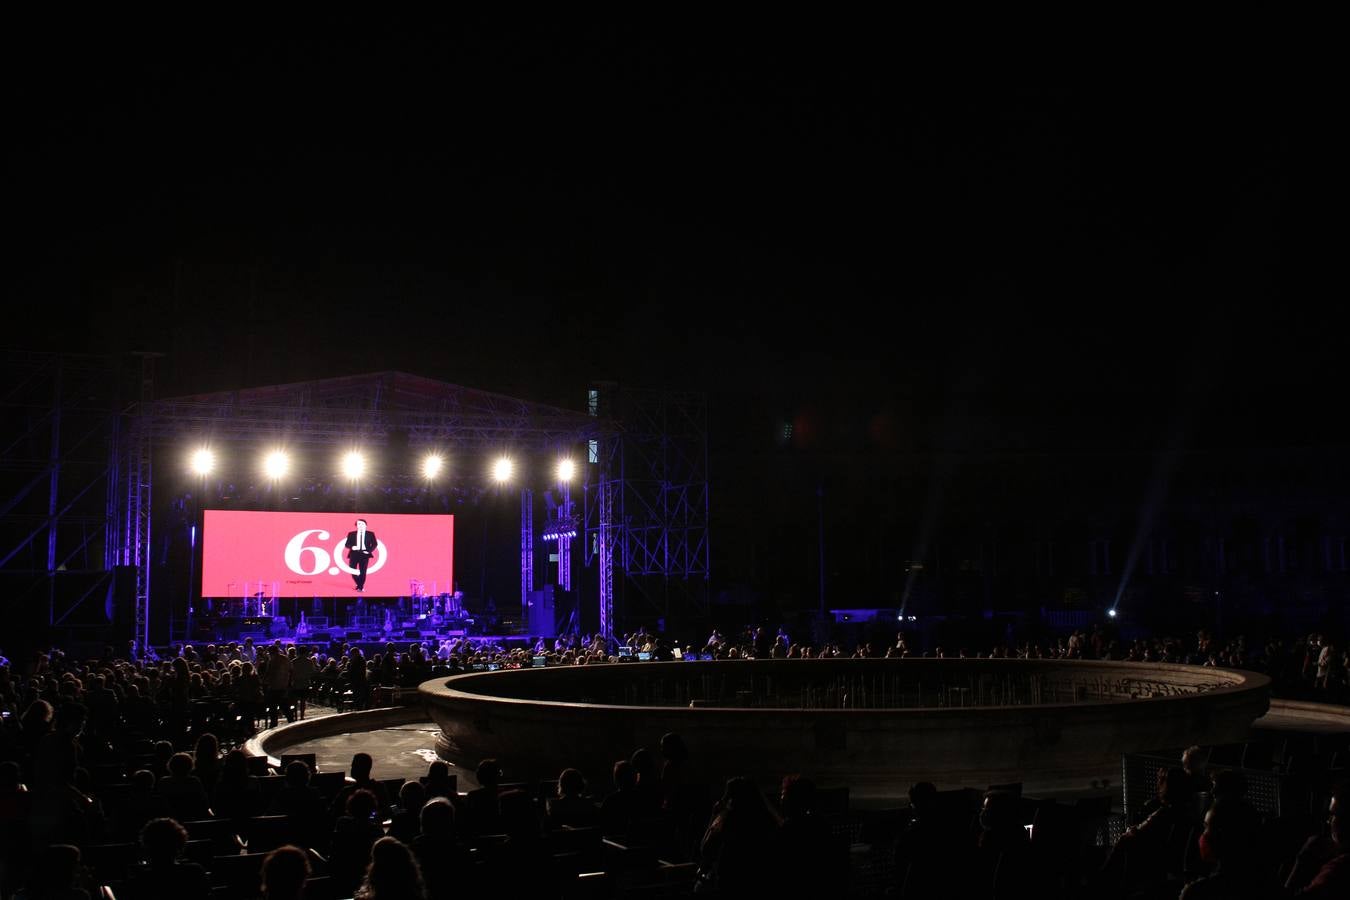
(247, 552)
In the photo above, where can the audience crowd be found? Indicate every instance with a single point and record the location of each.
(130, 772)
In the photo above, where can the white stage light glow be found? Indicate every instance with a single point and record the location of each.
(203, 462)
(276, 464)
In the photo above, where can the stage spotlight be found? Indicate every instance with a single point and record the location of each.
(276, 464)
(203, 461)
(502, 469)
(353, 465)
(1111, 612)
(431, 466)
(566, 469)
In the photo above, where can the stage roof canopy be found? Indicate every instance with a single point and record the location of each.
(371, 407)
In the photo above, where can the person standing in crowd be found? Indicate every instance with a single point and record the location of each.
(302, 674)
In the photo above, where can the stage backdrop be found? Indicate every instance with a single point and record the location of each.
(303, 555)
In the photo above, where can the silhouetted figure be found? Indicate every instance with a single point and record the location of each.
(482, 805)
(238, 794)
(443, 859)
(360, 780)
(808, 861)
(143, 804)
(1146, 843)
(206, 761)
(183, 791)
(1002, 865)
(924, 849)
(298, 800)
(1322, 869)
(284, 872)
(439, 783)
(735, 853)
(620, 808)
(164, 876)
(406, 823)
(525, 852)
(1229, 845)
(674, 761)
(353, 836)
(571, 807)
(648, 782)
(393, 873)
(55, 875)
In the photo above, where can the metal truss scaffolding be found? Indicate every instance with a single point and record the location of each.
(526, 551)
(57, 515)
(647, 506)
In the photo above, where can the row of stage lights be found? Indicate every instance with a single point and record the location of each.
(277, 463)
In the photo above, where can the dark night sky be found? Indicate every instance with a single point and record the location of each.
(801, 226)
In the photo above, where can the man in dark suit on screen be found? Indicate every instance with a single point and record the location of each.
(361, 546)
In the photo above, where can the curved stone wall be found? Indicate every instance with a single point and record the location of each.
(956, 722)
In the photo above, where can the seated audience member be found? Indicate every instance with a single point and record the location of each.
(15, 839)
(299, 800)
(571, 807)
(55, 875)
(1193, 763)
(1230, 787)
(360, 780)
(1145, 844)
(143, 804)
(1002, 861)
(353, 836)
(1322, 869)
(674, 764)
(183, 791)
(736, 850)
(443, 859)
(648, 789)
(620, 808)
(1229, 845)
(238, 794)
(481, 806)
(163, 751)
(924, 847)
(284, 872)
(439, 783)
(406, 822)
(393, 873)
(164, 876)
(206, 761)
(811, 862)
(525, 850)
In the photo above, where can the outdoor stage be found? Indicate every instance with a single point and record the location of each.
(325, 619)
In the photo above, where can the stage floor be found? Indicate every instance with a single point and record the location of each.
(405, 751)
